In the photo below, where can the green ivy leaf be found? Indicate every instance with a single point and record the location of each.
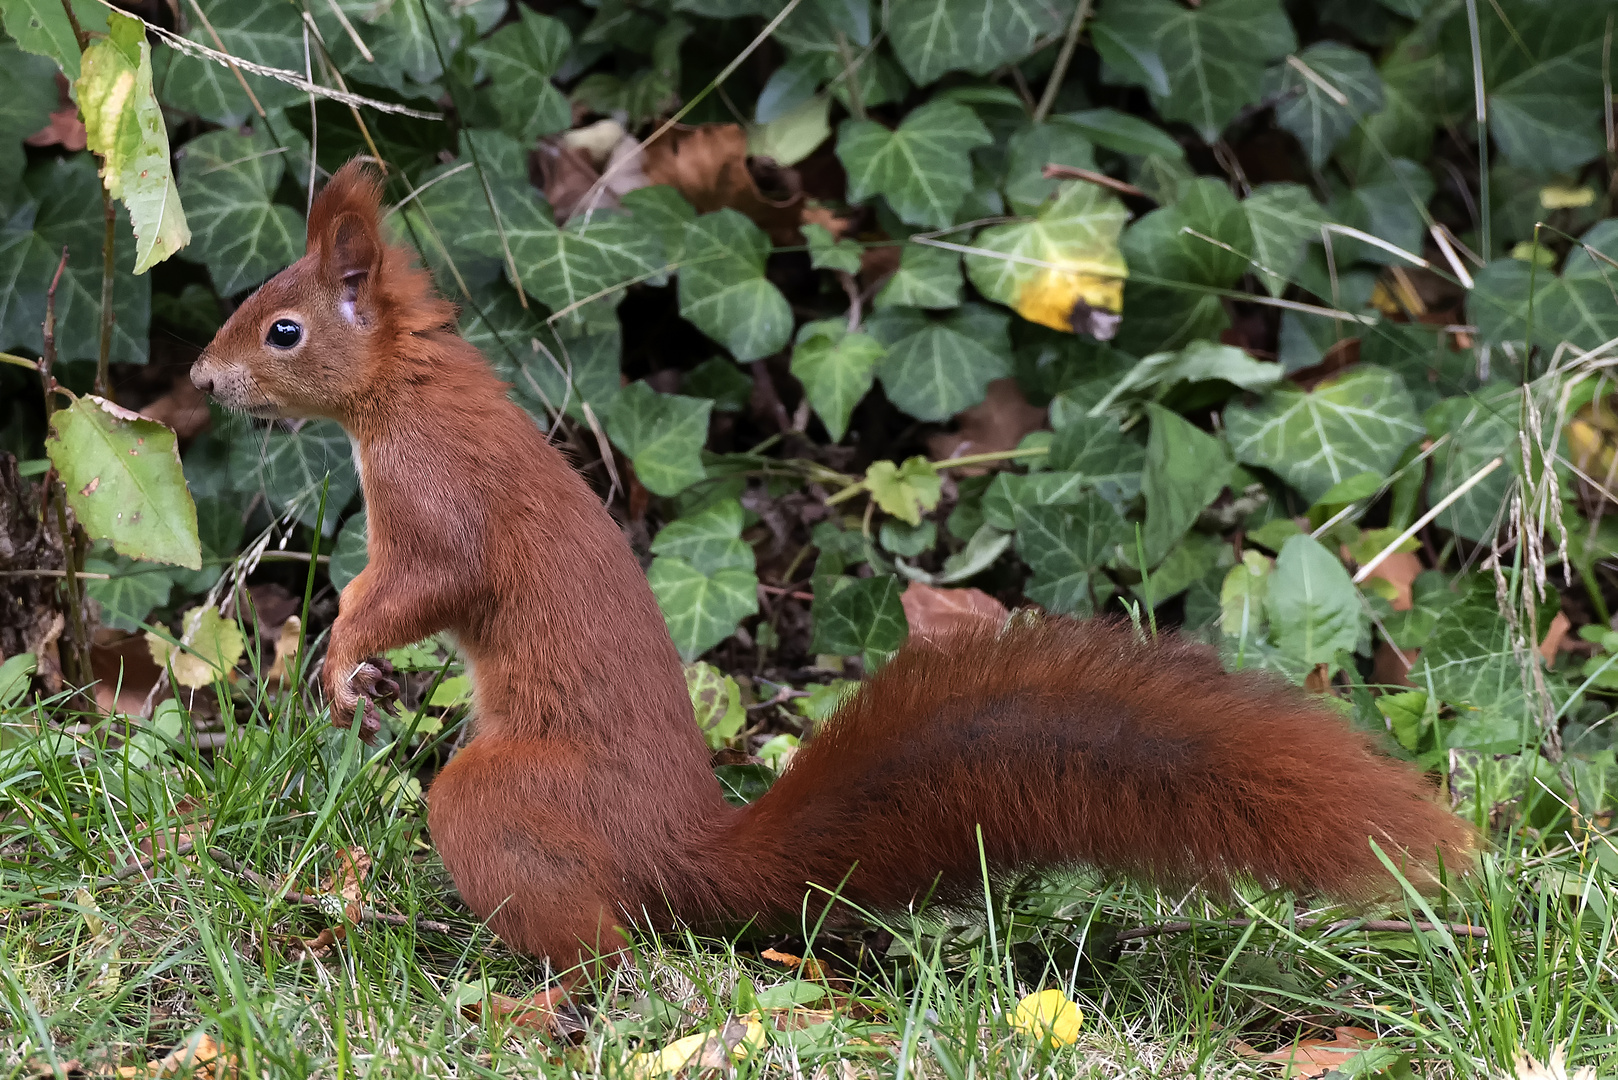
(1481, 427)
(242, 236)
(859, 616)
(1199, 64)
(723, 290)
(936, 368)
(928, 277)
(291, 467)
(42, 27)
(923, 168)
(709, 540)
(701, 610)
(130, 591)
(57, 206)
(1469, 661)
(1324, 91)
(27, 99)
(1125, 134)
(1575, 306)
(931, 37)
(826, 252)
(1186, 469)
(1314, 608)
(1386, 202)
(351, 551)
(1093, 447)
(1360, 421)
(124, 482)
(122, 123)
(550, 368)
(1200, 361)
(268, 34)
(1173, 245)
(1055, 142)
(904, 490)
(836, 369)
(1065, 257)
(662, 434)
(1065, 546)
(1283, 219)
(521, 57)
(664, 211)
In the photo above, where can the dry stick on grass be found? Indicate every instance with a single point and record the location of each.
(1368, 925)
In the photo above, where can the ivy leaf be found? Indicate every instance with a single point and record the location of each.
(1481, 428)
(1125, 134)
(701, 610)
(931, 37)
(1055, 269)
(268, 34)
(1575, 306)
(1186, 469)
(1469, 661)
(1093, 447)
(351, 551)
(826, 252)
(923, 168)
(42, 27)
(859, 616)
(550, 368)
(1199, 242)
(1048, 487)
(717, 702)
(1324, 91)
(521, 57)
(664, 211)
(1200, 361)
(291, 467)
(723, 290)
(27, 98)
(582, 264)
(836, 369)
(709, 540)
(936, 368)
(928, 277)
(212, 647)
(1284, 219)
(124, 482)
(662, 435)
(122, 123)
(904, 490)
(1198, 64)
(1065, 545)
(228, 180)
(1313, 606)
(1055, 142)
(130, 591)
(57, 206)
(1360, 421)
(1386, 202)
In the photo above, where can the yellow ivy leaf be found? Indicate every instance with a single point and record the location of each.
(1566, 197)
(213, 645)
(904, 490)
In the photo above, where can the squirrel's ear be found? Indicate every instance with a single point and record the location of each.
(343, 228)
(352, 249)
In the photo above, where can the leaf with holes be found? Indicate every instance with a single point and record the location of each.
(709, 540)
(1324, 91)
(923, 168)
(1360, 421)
(931, 37)
(521, 57)
(1199, 64)
(937, 367)
(701, 610)
(228, 180)
(859, 617)
(59, 205)
(1066, 257)
(268, 34)
(662, 434)
(1066, 546)
(836, 369)
(1313, 607)
(124, 482)
(723, 290)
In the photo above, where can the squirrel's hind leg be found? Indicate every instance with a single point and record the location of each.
(542, 882)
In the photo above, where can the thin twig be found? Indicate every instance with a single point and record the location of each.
(230, 60)
(1073, 172)
(108, 254)
(1368, 925)
(84, 574)
(1047, 100)
(855, 306)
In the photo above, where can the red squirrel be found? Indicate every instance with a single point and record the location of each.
(585, 801)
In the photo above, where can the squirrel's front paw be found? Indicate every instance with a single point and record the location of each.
(369, 680)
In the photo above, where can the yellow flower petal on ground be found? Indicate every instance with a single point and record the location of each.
(1048, 1014)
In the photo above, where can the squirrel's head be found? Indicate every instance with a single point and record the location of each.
(315, 340)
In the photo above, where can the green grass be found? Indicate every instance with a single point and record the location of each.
(120, 971)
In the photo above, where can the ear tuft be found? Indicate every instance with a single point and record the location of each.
(344, 222)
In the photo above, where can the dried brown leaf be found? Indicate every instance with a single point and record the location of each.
(998, 423)
(708, 165)
(933, 612)
(1314, 1057)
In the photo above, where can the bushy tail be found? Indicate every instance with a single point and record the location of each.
(1074, 743)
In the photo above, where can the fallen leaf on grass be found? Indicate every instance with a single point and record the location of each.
(213, 645)
(348, 880)
(1526, 1067)
(813, 969)
(286, 647)
(124, 671)
(1315, 1057)
(1048, 1014)
(1555, 634)
(709, 166)
(933, 612)
(199, 1057)
(718, 1048)
(999, 422)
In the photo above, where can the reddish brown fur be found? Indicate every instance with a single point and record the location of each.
(585, 799)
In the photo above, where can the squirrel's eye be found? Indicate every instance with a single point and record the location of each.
(284, 333)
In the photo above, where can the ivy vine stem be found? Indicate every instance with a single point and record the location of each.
(1047, 100)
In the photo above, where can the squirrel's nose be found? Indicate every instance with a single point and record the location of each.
(201, 378)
